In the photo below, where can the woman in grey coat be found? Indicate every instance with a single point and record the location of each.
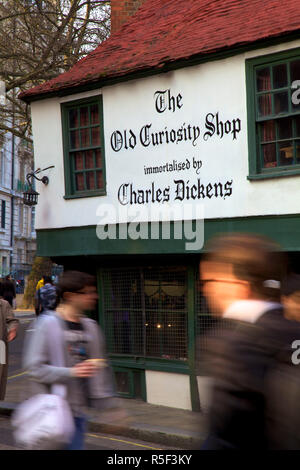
(82, 366)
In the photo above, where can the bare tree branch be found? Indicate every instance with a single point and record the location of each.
(39, 39)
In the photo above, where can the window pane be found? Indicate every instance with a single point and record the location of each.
(268, 131)
(84, 116)
(295, 70)
(285, 128)
(297, 126)
(73, 118)
(286, 153)
(122, 382)
(269, 155)
(85, 137)
(280, 76)
(99, 177)
(90, 180)
(298, 151)
(84, 146)
(95, 135)
(94, 114)
(281, 102)
(89, 159)
(264, 105)
(79, 163)
(79, 178)
(75, 143)
(98, 158)
(263, 79)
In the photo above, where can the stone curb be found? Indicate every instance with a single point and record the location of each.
(155, 436)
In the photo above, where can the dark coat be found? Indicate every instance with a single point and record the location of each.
(8, 289)
(7, 321)
(241, 357)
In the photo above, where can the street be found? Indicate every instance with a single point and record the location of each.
(94, 440)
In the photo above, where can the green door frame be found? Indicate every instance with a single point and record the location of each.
(192, 337)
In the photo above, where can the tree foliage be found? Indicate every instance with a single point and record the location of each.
(39, 39)
(40, 267)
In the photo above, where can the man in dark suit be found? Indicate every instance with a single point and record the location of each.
(241, 276)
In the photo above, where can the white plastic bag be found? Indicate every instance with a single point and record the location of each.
(43, 422)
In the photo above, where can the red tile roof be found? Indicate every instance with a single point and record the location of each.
(166, 31)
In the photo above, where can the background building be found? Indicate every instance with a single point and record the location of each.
(18, 238)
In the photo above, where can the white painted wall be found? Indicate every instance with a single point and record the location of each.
(167, 389)
(207, 88)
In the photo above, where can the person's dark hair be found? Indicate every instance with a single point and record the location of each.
(74, 281)
(291, 284)
(47, 279)
(254, 258)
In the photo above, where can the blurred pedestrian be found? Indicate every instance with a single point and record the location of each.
(40, 283)
(46, 296)
(8, 332)
(85, 373)
(37, 303)
(291, 296)
(241, 277)
(8, 290)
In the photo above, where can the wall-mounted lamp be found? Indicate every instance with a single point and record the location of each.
(30, 197)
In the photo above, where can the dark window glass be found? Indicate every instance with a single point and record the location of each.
(265, 105)
(285, 128)
(281, 102)
(286, 153)
(85, 137)
(269, 155)
(280, 79)
(146, 312)
(90, 180)
(73, 118)
(297, 126)
(122, 382)
(89, 159)
(75, 140)
(84, 116)
(79, 161)
(79, 182)
(298, 151)
(95, 136)
(263, 79)
(268, 131)
(99, 177)
(95, 114)
(98, 159)
(295, 70)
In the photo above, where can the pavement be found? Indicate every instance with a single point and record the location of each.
(132, 418)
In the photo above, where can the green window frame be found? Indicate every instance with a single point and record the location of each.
(84, 152)
(273, 118)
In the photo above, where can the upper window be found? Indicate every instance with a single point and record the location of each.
(3, 213)
(83, 148)
(273, 115)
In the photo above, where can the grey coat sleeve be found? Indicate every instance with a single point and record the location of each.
(37, 360)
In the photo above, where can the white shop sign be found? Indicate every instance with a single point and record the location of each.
(160, 153)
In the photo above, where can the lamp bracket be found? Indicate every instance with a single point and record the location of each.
(44, 179)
